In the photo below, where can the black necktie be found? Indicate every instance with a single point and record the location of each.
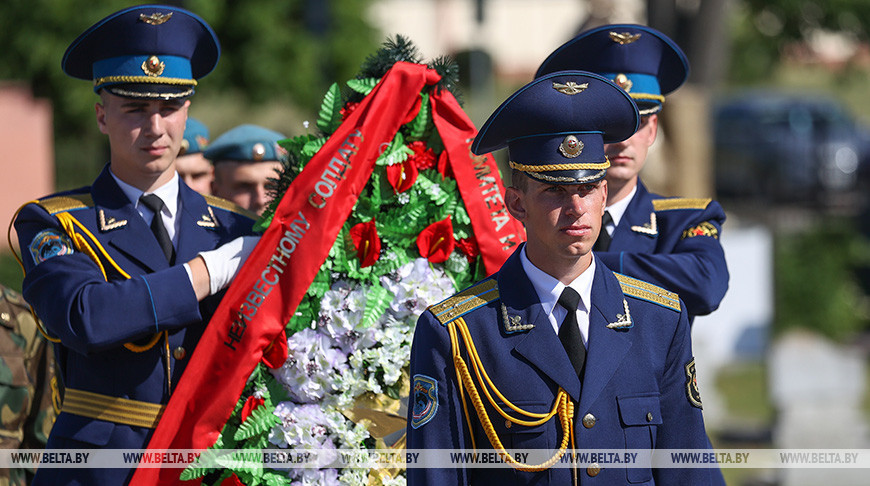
(155, 204)
(569, 331)
(603, 241)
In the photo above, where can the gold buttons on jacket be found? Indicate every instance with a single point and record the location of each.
(589, 420)
(593, 469)
(179, 353)
(649, 416)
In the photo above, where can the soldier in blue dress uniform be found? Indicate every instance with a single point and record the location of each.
(555, 352)
(672, 242)
(124, 274)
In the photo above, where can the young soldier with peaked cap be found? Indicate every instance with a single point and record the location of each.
(194, 169)
(505, 364)
(244, 159)
(121, 272)
(672, 242)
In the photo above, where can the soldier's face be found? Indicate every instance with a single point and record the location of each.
(562, 221)
(627, 158)
(245, 183)
(145, 136)
(196, 171)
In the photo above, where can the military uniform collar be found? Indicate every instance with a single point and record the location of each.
(549, 289)
(618, 208)
(167, 192)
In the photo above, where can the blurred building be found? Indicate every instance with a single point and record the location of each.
(27, 162)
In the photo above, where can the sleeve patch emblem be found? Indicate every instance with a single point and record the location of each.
(704, 229)
(425, 395)
(50, 243)
(692, 392)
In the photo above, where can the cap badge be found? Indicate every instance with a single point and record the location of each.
(623, 82)
(570, 88)
(202, 141)
(624, 37)
(153, 66)
(258, 152)
(156, 18)
(571, 147)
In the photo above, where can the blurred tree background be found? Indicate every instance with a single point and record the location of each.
(278, 57)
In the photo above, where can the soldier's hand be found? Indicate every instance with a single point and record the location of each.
(223, 263)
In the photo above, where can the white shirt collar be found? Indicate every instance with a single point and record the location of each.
(618, 208)
(549, 289)
(168, 193)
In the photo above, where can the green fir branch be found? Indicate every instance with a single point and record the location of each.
(378, 299)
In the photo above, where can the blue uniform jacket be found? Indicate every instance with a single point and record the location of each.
(94, 318)
(674, 243)
(629, 373)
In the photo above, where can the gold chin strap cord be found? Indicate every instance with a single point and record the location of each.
(563, 407)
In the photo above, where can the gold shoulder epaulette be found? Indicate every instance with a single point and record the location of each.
(465, 301)
(680, 203)
(221, 203)
(69, 202)
(647, 291)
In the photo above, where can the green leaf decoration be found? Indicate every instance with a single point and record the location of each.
(396, 153)
(260, 421)
(363, 86)
(313, 146)
(329, 117)
(378, 300)
(417, 127)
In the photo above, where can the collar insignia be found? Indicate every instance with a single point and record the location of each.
(623, 321)
(650, 228)
(156, 18)
(570, 88)
(110, 223)
(623, 38)
(208, 220)
(513, 324)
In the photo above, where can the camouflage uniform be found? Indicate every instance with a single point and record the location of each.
(28, 386)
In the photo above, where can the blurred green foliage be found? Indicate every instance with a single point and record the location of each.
(763, 29)
(816, 280)
(285, 50)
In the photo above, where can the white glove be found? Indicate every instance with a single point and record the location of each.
(223, 262)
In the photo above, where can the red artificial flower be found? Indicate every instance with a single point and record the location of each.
(275, 354)
(469, 247)
(250, 404)
(423, 158)
(443, 166)
(367, 243)
(232, 480)
(402, 176)
(436, 241)
(347, 109)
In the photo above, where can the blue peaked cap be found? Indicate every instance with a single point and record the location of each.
(147, 51)
(640, 59)
(247, 143)
(196, 137)
(556, 126)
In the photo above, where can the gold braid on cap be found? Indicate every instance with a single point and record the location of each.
(552, 167)
(145, 79)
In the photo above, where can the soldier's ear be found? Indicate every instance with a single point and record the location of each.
(514, 199)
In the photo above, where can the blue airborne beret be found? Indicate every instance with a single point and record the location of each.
(147, 51)
(247, 143)
(641, 60)
(556, 126)
(195, 137)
